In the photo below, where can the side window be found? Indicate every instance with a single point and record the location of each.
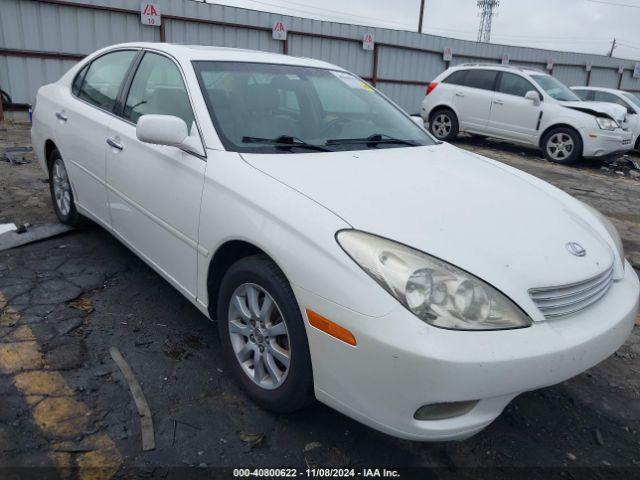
(77, 82)
(102, 81)
(483, 79)
(456, 78)
(514, 85)
(583, 94)
(609, 97)
(158, 88)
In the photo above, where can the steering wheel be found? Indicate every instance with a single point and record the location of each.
(333, 123)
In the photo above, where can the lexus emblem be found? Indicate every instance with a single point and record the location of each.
(576, 249)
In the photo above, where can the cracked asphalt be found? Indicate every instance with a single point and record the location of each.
(66, 410)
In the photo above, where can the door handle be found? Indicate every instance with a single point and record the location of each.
(459, 94)
(498, 102)
(61, 116)
(112, 142)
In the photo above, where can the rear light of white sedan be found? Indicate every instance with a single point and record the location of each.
(431, 87)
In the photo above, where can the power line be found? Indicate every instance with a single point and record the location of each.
(613, 4)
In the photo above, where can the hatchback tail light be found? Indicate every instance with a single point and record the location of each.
(431, 86)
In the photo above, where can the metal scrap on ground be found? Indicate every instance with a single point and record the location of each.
(146, 421)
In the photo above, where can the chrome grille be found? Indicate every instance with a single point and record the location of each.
(568, 299)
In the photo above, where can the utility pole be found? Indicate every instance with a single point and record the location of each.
(487, 8)
(421, 15)
(613, 47)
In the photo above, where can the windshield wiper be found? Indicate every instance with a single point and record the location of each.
(374, 139)
(286, 141)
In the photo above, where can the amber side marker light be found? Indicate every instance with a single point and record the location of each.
(331, 328)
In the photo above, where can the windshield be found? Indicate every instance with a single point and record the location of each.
(555, 88)
(266, 108)
(633, 99)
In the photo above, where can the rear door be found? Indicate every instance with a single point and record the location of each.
(473, 99)
(513, 116)
(82, 125)
(154, 191)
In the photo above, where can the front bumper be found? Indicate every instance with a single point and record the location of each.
(400, 363)
(597, 143)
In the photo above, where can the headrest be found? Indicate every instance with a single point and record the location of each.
(262, 98)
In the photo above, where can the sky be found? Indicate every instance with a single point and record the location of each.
(576, 25)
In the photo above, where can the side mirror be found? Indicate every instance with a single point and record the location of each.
(533, 96)
(167, 130)
(418, 120)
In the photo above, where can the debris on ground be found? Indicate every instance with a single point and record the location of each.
(252, 440)
(7, 227)
(15, 155)
(311, 445)
(27, 234)
(146, 421)
(83, 304)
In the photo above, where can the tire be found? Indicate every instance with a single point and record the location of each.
(443, 124)
(568, 146)
(260, 274)
(61, 192)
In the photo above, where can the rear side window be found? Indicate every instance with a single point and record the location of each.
(583, 94)
(158, 88)
(483, 79)
(77, 82)
(512, 84)
(456, 78)
(104, 77)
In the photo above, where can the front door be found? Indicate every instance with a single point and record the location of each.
(513, 116)
(154, 191)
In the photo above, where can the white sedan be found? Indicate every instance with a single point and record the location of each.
(346, 255)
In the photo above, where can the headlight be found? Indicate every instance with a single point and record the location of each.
(435, 291)
(607, 123)
(611, 230)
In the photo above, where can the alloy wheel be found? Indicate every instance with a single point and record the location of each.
(259, 336)
(441, 125)
(61, 187)
(560, 146)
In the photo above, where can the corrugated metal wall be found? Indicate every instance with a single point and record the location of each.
(406, 61)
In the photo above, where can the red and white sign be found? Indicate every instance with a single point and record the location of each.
(620, 70)
(150, 14)
(587, 67)
(367, 41)
(549, 63)
(279, 31)
(505, 59)
(447, 54)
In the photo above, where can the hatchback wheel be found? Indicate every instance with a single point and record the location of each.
(562, 145)
(444, 125)
(60, 188)
(263, 336)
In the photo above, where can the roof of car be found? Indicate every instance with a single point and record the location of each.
(499, 66)
(601, 89)
(207, 52)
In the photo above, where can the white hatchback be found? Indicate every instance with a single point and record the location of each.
(345, 254)
(524, 106)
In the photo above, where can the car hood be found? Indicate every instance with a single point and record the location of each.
(465, 209)
(617, 112)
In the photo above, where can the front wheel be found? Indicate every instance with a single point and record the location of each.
(60, 189)
(562, 145)
(444, 125)
(263, 336)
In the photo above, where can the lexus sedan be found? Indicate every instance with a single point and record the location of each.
(345, 254)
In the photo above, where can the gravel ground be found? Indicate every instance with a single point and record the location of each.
(66, 408)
